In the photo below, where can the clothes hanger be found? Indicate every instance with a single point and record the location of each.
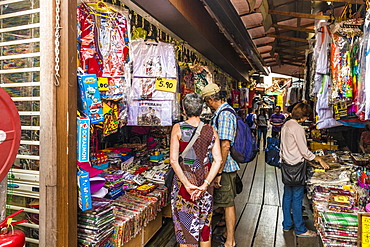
(102, 8)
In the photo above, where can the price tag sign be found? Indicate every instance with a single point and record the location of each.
(343, 199)
(365, 236)
(103, 83)
(168, 85)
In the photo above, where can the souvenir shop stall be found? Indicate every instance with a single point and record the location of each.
(335, 82)
(131, 78)
(338, 195)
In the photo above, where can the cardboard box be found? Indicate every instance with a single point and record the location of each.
(135, 242)
(83, 139)
(84, 192)
(318, 145)
(90, 101)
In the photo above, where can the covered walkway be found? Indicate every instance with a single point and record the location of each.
(259, 213)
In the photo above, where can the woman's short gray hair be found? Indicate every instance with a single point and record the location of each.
(193, 104)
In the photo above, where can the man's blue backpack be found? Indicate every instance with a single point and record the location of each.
(244, 148)
(249, 120)
(272, 152)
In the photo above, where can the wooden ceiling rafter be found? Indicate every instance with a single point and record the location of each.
(298, 56)
(300, 48)
(253, 27)
(264, 44)
(299, 29)
(298, 14)
(265, 52)
(290, 63)
(248, 13)
(259, 37)
(286, 37)
(277, 32)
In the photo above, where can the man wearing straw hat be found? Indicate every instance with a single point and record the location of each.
(224, 182)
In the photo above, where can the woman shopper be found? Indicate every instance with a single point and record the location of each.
(262, 122)
(192, 187)
(293, 151)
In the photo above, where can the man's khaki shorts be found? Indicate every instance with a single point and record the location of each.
(224, 196)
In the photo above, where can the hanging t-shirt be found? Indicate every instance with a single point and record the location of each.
(153, 59)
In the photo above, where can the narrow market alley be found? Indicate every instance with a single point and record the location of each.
(258, 210)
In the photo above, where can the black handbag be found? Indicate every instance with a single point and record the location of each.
(294, 175)
(168, 178)
(238, 184)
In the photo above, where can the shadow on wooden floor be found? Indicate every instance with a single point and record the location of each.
(259, 214)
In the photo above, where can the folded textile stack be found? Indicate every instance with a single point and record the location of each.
(334, 198)
(132, 213)
(338, 229)
(114, 183)
(331, 177)
(95, 226)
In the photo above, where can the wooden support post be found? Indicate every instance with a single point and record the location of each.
(48, 134)
(58, 183)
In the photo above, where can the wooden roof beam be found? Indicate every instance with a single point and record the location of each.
(300, 29)
(264, 44)
(300, 48)
(256, 26)
(286, 37)
(248, 13)
(265, 52)
(299, 15)
(293, 64)
(291, 53)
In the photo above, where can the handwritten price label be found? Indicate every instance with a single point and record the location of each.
(103, 83)
(365, 236)
(167, 85)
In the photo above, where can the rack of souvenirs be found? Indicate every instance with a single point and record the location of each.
(338, 195)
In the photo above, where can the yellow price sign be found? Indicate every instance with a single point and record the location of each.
(343, 199)
(163, 84)
(365, 236)
(103, 83)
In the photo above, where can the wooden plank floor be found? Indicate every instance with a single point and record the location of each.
(258, 210)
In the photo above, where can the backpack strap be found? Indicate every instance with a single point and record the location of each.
(225, 109)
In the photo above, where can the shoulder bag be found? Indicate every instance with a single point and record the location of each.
(170, 173)
(294, 175)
